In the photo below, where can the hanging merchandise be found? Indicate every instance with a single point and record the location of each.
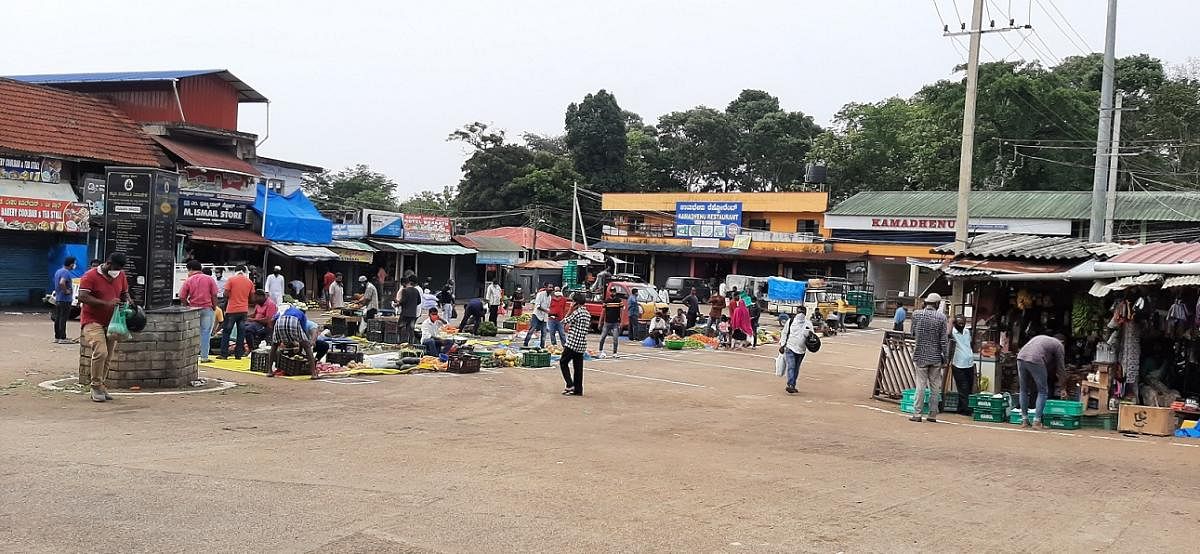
(1131, 352)
(1177, 318)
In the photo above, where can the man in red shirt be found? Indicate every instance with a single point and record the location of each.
(200, 291)
(558, 310)
(100, 291)
(238, 292)
(262, 322)
(325, 282)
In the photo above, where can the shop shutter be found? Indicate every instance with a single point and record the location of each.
(23, 275)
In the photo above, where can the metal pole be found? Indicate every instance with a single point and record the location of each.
(582, 228)
(1104, 128)
(574, 208)
(266, 249)
(536, 214)
(967, 153)
(1110, 204)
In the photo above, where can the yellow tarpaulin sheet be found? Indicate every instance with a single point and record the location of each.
(243, 366)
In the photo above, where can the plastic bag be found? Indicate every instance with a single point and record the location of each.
(117, 330)
(812, 342)
(649, 342)
(781, 365)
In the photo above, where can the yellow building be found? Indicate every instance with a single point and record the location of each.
(711, 235)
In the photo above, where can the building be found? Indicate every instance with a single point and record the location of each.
(895, 230)
(711, 235)
(535, 243)
(283, 176)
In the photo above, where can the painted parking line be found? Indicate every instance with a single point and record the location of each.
(631, 376)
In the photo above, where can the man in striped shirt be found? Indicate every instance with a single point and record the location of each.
(929, 355)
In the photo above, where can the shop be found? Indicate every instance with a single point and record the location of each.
(298, 234)
(419, 246)
(494, 256)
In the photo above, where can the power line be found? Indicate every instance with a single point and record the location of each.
(1085, 49)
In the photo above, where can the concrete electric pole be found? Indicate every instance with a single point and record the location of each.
(1110, 204)
(1104, 128)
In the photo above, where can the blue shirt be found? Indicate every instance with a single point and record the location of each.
(901, 314)
(296, 313)
(63, 274)
(635, 309)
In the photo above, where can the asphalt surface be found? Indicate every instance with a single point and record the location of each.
(668, 451)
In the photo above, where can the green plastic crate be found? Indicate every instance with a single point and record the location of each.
(1069, 408)
(1014, 416)
(950, 401)
(989, 415)
(988, 401)
(1069, 423)
(906, 406)
(911, 395)
(1108, 422)
(536, 359)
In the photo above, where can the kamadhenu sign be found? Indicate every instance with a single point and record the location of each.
(720, 220)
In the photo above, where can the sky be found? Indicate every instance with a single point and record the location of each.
(384, 82)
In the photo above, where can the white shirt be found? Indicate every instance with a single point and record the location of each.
(371, 297)
(274, 286)
(541, 304)
(658, 323)
(721, 289)
(221, 285)
(796, 333)
(337, 298)
(430, 328)
(492, 296)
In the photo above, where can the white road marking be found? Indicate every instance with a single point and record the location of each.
(646, 378)
(684, 360)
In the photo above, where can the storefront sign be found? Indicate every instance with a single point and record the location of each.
(38, 170)
(342, 231)
(384, 224)
(722, 220)
(35, 214)
(497, 258)
(706, 243)
(141, 210)
(357, 256)
(210, 212)
(93, 195)
(947, 224)
(742, 242)
(431, 228)
(218, 184)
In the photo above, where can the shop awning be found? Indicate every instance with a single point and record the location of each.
(38, 191)
(1100, 289)
(353, 251)
(413, 248)
(304, 252)
(207, 158)
(725, 252)
(1181, 281)
(243, 237)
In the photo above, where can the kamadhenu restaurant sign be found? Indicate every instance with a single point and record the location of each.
(947, 224)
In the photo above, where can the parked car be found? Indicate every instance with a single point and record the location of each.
(679, 287)
(647, 297)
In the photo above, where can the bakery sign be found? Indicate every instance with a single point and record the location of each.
(35, 214)
(38, 170)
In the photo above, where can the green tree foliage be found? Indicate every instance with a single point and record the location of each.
(772, 143)
(700, 148)
(597, 141)
(430, 202)
(352, 188)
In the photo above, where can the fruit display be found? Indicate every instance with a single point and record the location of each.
(503, 357)
(523, 318)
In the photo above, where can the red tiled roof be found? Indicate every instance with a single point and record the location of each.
(1161, 253)
(232, 236)
(205, 157)
(524, 237)
(42, 120)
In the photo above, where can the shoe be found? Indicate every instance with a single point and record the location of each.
(1039, 426)
(205, 360)
(222, 357)
(98, 395)
(791, 390)
(915, 418)
(1025, 423)
(931, 419)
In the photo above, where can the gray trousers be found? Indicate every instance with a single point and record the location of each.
(928, 377)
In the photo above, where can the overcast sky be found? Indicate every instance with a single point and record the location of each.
(383, 83)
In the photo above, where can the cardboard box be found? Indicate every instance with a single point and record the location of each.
(1146, 420)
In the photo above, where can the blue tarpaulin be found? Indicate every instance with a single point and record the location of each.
(783, 290)
(293, 219)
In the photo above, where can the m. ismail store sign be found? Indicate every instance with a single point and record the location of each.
(947, 224)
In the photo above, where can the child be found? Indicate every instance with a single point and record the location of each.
(723, 333)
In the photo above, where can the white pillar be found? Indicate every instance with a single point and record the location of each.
(914, 275)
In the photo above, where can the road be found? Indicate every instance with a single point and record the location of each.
(668, 451)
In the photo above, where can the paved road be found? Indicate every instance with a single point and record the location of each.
(669, 451)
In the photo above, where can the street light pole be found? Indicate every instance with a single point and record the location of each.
(967, 152)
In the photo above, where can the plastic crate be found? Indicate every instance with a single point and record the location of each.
(260, 362)
(509, 324)
(989, 415)
(343, 358)
(463, 364)
(374, 326)
(950, 402)
(988, 401)
(907, 406)
(536, 359)
(1014, 416)
(1107, 422)
(291, 366)
(337, 326)
(1069, 423)
(375, 336)
(910, 395)
(675, 344)
(1063, 408)
(391, 338)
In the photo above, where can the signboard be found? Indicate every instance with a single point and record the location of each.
(93, 195)
(212, 212)
(218, 184)
(497, 258)
(431, 228)
(721, 220)
(38, 170)
(35, 214)
(140, 215)
(349, 255)
(741, 242)
(947, 224)
(384, 224)
(706, 243)
(349, 231)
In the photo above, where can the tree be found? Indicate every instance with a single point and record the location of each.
(492, 166)
(700, 146)
(430, 202)
(352, 188)
(596, 138)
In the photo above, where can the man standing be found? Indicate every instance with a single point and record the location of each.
(239, 292)
(445, 298)
(610, 319)
(898, 321)
(963, 361)
(1041, 355)
(100, 291)
(327, 280)
(558, 310)
(369, 300)
(716, 308)
(693, 308)
(541, 312)
(492, 295)
(929, 355)
(260, 325)
(410, 305)
(64, 294)
(219, 277)
(274, 285)
(635, 314)
(200, 291)
(337, 295)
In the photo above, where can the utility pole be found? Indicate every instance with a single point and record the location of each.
(967, 153)
(582, 227)
(574, 209)
(1104, 128)
(1110, 205)
(536, 215)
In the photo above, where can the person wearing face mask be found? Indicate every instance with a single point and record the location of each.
(64, 294)
(963, 362)
(430, 329)
(792, 345)
(100, 291)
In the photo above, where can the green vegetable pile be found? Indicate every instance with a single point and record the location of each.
(486, 329)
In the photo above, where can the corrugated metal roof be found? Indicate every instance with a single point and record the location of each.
(1075, 205)
(1006, 245)
(440, 249)
(245, 92)
(244, 237)
(488, 244)
(1161, 253)
(207, 158)
(1007, 266)
(352, 245)
(304, 252)
(1181, 281)
(725, 252)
